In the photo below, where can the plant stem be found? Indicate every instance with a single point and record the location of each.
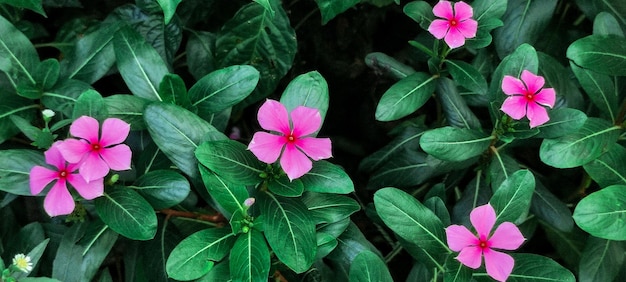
(217, 218)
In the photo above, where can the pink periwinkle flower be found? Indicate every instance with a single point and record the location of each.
(526, 98)
(472, 248)
(455, 25)
(293, 139)
(58, 201)
(96, 152)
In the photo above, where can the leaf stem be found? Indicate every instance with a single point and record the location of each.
(217, 218)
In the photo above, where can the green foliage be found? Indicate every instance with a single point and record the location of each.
(405, 97)
(602, 213)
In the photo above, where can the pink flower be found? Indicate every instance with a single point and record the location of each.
(526, 98)
(507, 237)
(292, 140)
(59, 201)
(455, 25)
(97, 152)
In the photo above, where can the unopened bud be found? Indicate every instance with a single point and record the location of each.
(249, 202)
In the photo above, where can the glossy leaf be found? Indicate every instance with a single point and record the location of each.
(562, 121)
(603, 213)
(228, 195)
(601, 260)
(33, 5)
(139, 64)
(407, 139)
(551, 209)
(169, 8)
(369, 267)
(62, 97)
(200, 50)
(405, 96)
(223, 88)
(403, 171)
(162, 188)
(172, 89)
(601, 90)
(128, 108)
(309, 90)
(565, 87)
(330, 8)
(178, 133)
(606, 24)
(419, 11)
(249, 258)
(283, 186)
(386, 65)
(46, 74)
(90, 103)
(15, 166)
(127, 213)
(14, 45)
(580, 147)
(531, 267)
(289, 230)
(326, 177)
(329, 208)
(230, 160)
(266, 4)
(454, 144)
(195, 255)
(609, 168)
(512, 199)
(457, 113)
(467, 76)
(605, 54)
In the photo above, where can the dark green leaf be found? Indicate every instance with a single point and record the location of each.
(331, 8)
(601, 90)
(47, 73)
(467, 76)
(228, 195)
(455, 271)
(326, 177)
(606, 24)
(564, 86)
(289, 230)
(200, 50)
(285, 187)
(22, 54)
(404, 170)
(386, 65)
(128, 108)
(605, 54)
(562, 122)
(162, 188)
(580, 147)
(223, 88)
(329, 208)
(127, 213)
(309, 90)
(603, 213)
(547, 207)
(406, 140)
(419, 11)
(219, 272)
(454, 144)
(267, 5)
(195, 255)
(568, 245)
(512, 199)
(173, 90)
(15, 166)
(457, 113)
(369, 267)
(230, 160)
(139, 64)
(169, 8)
(33, 5)
(609, 168)
(531, 267)
(601, 260)
(485, 9)
(250, 258)
(90, 103)
(63, 96)
(405, 96)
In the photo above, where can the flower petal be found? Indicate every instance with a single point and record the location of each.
(273, 116)
(533, 82)
(499, 265)
(459, 237)
(54, 157)
(114, 131)
(439, 28)
(93, 167)
(74, 150)
(470, 257)
(512, 85)
(316, 148)
(294, 162)
(483, 218)
(58, 201)
(507, 237)
(40, 177)
(468, 28)
(117, 157)
(90, 190)
(515, 106)
(443, 9)
(546, 97)
(87, 128)
(537, 115)
(462, 11)
(454, 38)
(305, 121)
(267, 147)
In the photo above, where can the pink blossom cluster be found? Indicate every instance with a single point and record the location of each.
(83, 162)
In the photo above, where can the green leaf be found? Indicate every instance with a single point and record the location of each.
(169, 8)
(601, 260)
(128, 108)
(467, 76)
(33, 5)
(485, 9)
(127, 213)
(266, 4)
(139, 64)
(19, 50)
(326, 177)
(455, 271)
(386, 65)
(223, 88)
(178, 133)
(419, 11)
(195, 255)
(219, 272)
(569, 245)
(369, 267)
(547, 207)
(331, 8)
(250, 258)
(200, 53)
(228, 195)
(606, 24)
(512, 199)
(457, 113)
(405, 96)
(91, 56)
(47, 73)
(580, 147)
(454, 144)
(605, 54)
(270, 45)
(230, 160)
(603, 213)
(329, 208)
(410, 168)
(609, 168)
(524, 21)
(552, 71)
(289, 230)
(601, 90)
(285, 187)
(412, 221)
(173, 90)
(531, 267)
(309, 90)
(15, 166)
(90, 103)
(162, 188)
(62, 97)
(562, 122)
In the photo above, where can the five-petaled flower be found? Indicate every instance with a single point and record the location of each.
(527, 98)
(97, 152)
(293, 139)
(472, 248)
(59, 201)
(23, 263)
(455, 25)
